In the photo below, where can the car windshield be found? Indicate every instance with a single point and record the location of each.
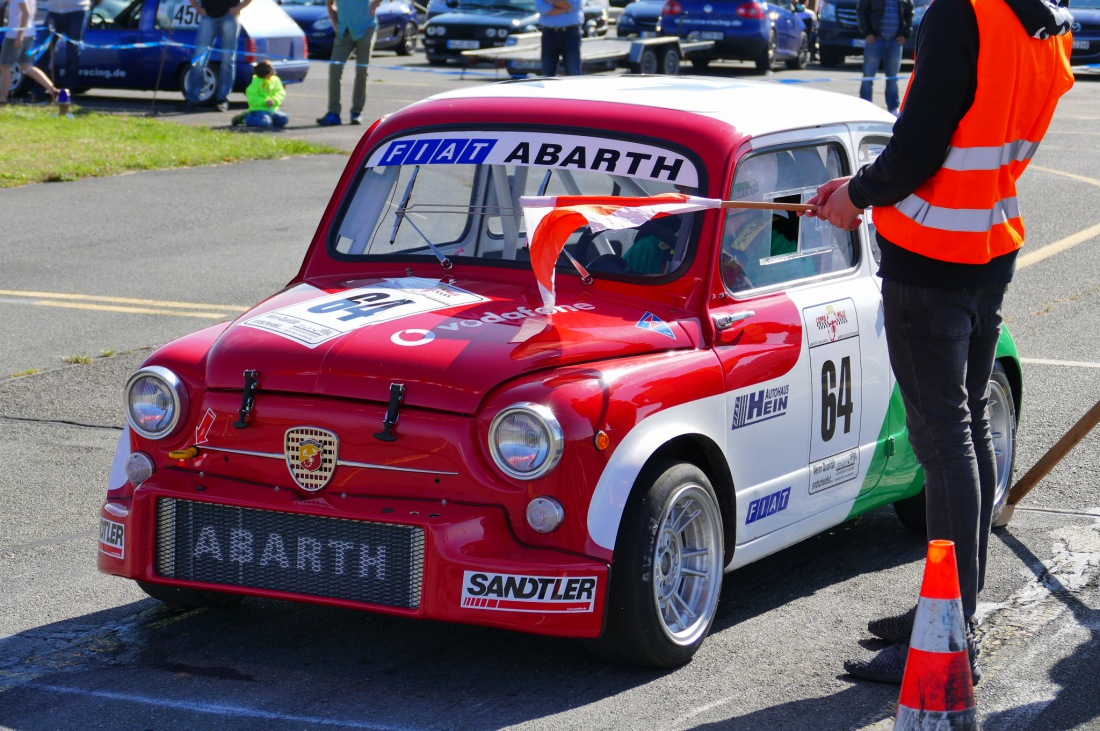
(1084, 3)
(456, 199)
(524, 5)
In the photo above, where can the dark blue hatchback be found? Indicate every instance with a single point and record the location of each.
(397, 26)
(149, 44)
(1086, 32)
(742, 30)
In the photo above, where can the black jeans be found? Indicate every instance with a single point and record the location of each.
(942, 347)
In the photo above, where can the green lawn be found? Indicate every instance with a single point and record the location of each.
(39, 146)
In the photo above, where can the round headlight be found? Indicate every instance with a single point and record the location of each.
(526, 441)
(502, 33)
(491, 32)
(156, 402)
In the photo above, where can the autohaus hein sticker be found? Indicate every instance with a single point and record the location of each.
(317, 321)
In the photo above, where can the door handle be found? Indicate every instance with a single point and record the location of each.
(725, 322)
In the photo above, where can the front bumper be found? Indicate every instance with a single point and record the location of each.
(427, 559)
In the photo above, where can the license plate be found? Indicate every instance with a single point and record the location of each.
(374, 563)
(858, 43)
(711, 35)
(463, 44)
(1081, 45)
(525, 64)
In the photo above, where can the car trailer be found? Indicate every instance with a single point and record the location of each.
(656, 55)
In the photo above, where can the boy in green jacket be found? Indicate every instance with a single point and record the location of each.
(264, 94)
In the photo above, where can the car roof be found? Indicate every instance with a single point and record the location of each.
(752, 107)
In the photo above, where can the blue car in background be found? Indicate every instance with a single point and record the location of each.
(398, 28)
(742, 30)
(149, 45)
(639, 18)
(1086, 32)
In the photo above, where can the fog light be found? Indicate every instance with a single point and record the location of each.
(139, 467)
(544, 514)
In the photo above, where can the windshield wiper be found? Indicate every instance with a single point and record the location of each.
(402, 213)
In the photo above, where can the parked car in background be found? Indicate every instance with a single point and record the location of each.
(476, 24)
(639, 18)
(742, 30)
(410, 427)
(1086, 32)
(838, 33)
(397, 26)
(115, 57)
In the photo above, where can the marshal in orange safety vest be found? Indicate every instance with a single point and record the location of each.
(967, 212)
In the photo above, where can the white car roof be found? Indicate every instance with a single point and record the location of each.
(752, 107)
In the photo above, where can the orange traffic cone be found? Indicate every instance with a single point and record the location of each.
(937, 690)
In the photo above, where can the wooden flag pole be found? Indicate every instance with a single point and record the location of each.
(1048, 461)
(771, 206)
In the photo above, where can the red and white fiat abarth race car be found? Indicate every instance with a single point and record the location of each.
(410, 428)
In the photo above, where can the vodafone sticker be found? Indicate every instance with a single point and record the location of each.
(317, 321)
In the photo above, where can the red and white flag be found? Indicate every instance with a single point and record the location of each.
(551, 220)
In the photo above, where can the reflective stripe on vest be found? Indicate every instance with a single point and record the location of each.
(967, 212)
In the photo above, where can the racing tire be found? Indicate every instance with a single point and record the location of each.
(803, 58)
(647, 64)
(209, 88)
(913, 511)
(830, 59)
(179, 596)
(408, 40)
(766, 60)
(670, 61)
(666, 575)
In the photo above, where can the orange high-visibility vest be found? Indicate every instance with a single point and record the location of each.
(967, 211)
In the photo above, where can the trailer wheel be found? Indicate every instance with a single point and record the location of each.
(670, 61)
(647, 64)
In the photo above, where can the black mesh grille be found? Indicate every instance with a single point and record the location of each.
(376, 563)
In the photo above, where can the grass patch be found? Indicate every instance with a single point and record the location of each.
(39, 146)
(28, 372)
(80, 359)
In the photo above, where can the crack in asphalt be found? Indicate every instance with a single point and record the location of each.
(67, 422)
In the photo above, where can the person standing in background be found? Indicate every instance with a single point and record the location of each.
(885, 25)
(561, 22)
(16, 48)
(217, 20)
(355, 25)
(68, 18)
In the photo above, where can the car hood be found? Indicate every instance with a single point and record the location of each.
(486, 16)
(449, 342)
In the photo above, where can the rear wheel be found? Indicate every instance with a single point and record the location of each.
(408, 40)
(766, 60)
(208, 86)
(667, 569)
(913, 512)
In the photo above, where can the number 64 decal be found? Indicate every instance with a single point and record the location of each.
(836, 397)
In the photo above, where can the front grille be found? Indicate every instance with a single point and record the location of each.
(375, 563)
(847, 17)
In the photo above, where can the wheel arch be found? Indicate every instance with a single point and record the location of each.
(1015, 380)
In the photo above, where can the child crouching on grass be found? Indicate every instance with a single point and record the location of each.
(264, 94)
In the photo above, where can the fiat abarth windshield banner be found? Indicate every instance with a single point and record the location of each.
(571, 152)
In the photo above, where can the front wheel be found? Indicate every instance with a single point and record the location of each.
(803, 58)
(667, 571)
(1001, 411)
(408, 40)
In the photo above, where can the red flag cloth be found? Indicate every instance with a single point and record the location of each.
(550, 220)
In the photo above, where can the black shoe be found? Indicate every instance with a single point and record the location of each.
(888, 666)
(222, 105)
(892, 629)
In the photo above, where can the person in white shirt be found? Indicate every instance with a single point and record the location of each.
(16, 49)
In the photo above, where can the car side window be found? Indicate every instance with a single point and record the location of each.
(765, 248)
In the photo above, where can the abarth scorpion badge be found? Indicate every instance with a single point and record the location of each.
(311, 456)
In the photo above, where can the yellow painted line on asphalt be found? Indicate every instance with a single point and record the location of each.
(120, 300)
(134, 310)
(1068, 242)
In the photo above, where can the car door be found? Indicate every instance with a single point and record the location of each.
(803, 350)
(107, 61)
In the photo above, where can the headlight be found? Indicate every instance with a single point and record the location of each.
(156, 402)
(526, 441)
(322, 25)
(491, 32)
(502, 33)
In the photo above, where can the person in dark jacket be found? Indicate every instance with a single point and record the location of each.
(885, 26)
(987, 79)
